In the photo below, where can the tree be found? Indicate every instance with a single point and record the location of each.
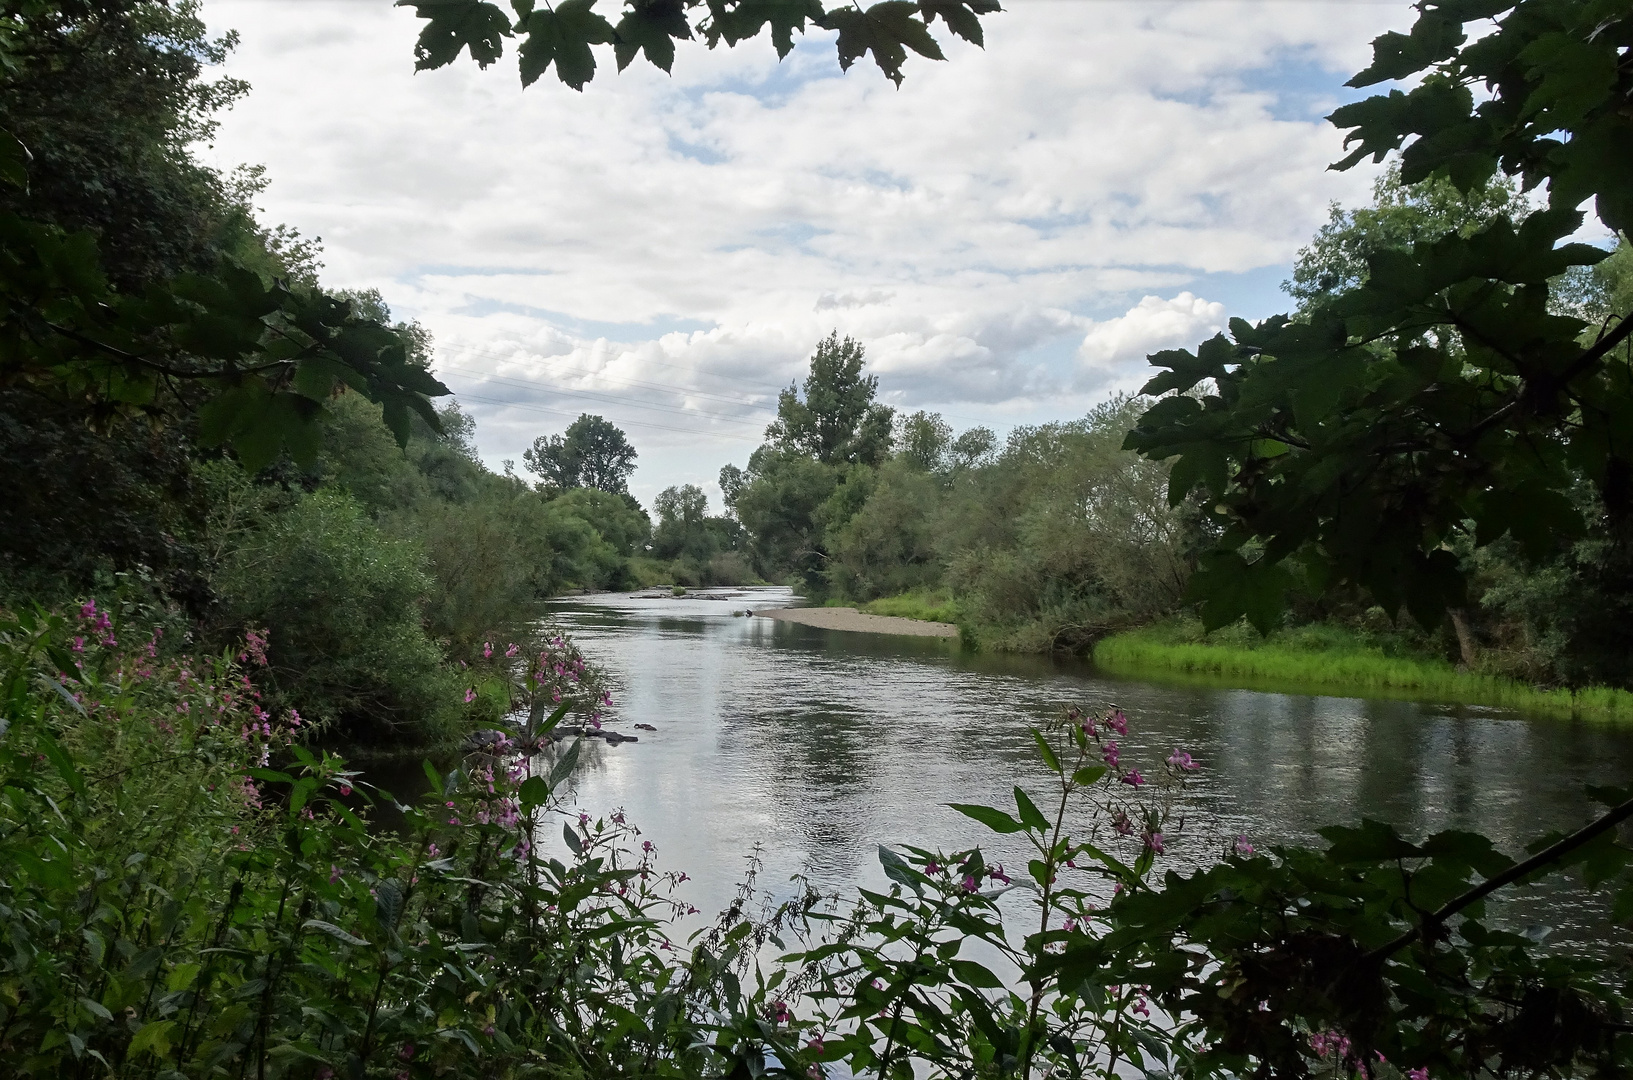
(1400, 216)
(593, 453)
(1443, 397)
(837, 421)
(924, 440)
(563, 34)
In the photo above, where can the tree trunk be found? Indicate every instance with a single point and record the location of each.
(1465, 636)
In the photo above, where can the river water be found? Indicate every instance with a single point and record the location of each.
(813, 747)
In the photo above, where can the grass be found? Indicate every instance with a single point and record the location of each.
(926, 607)
(1332, 659)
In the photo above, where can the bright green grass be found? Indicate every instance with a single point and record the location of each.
(926, 607)
(1331, 660)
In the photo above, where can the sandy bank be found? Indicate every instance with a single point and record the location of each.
(848, 618)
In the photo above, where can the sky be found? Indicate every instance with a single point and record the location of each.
(1009, 234)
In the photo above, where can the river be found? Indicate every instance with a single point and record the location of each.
(815, 746)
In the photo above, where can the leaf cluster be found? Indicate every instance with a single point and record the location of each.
(1446, 394)
(564, 34)
(268, 357)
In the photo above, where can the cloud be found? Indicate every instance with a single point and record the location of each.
(656, 239)
(1113, 351)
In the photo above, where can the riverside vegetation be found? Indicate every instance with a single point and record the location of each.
(1064, 538)
(188, 891)
(190, 885)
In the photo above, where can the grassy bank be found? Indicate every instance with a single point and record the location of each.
(1336, 661)
(924, 606)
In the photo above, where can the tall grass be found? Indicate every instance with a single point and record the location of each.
(1331, 659)
(925, 606)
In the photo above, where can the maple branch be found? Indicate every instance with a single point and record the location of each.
(1552, 853)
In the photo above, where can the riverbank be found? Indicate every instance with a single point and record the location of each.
(1339, 664)
(848, 618)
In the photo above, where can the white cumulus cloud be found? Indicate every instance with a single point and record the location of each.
(675, 246)
(1113, 352)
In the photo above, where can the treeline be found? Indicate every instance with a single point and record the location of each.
(1059, 535)
(377, 564)
(1047, 541)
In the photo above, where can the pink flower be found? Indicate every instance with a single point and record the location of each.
(779, 1012)
(1180, 760)
(1419, 1073)
(1069, 925)
(1153, 841)
(79, 643)
(487, 650)
(257, 644)
(1109, 754)
(470, 696)
(294, 718)
(345, 790)
(334, 873)
(433, 851)
(1242, 846)
(997, 874)
(969, 883)
(1118, 722)
(87, 610)
(1132, 778)
(511, 651)
(1328, 1043)
(1121, 823)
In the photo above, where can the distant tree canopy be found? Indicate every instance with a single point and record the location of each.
(828, 430)
(837, 421)
(593, 453)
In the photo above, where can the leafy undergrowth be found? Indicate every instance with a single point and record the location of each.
(187, 893)
(1329, 658)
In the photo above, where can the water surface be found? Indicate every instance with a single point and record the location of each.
(815, 746)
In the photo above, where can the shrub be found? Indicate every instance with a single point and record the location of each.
(344, 602)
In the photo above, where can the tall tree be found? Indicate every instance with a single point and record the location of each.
(837, 421)
(593, 453)
(924, 440)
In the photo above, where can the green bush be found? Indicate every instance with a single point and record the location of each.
(343, 602)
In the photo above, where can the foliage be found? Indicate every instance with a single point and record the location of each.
(837, 421)
(1446, 395)
(563, 34)
(593, 453)
(224, 915)
(1065, 537)
(924, 440)
(344, 604)
(109, 98)
(1400, 216)
(700, 549)
(778, 504)
(269, 356)
(888, 545)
